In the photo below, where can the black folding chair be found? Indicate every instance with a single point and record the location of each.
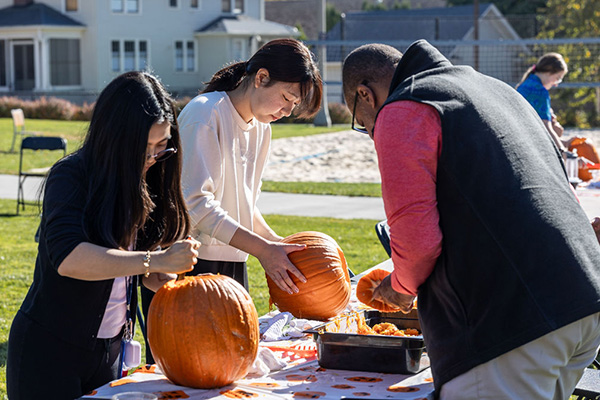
(383, 233)
(34, 144)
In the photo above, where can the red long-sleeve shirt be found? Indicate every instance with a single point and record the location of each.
(408, 140)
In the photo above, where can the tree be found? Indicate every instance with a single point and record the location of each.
(578, 19)
(332, 16)
(510, 7)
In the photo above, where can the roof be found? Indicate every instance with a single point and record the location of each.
(440, 23)
(295, 12)
(245, 25)
(303, 12)
(34, 14)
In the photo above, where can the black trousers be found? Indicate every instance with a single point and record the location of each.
(42, 366)
(235, 270)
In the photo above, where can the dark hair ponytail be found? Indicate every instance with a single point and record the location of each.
(123, 205)
(227, 79)
(549, 62)
(287, 60)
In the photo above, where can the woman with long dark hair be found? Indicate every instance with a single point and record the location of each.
(226, 136)
(113, 212)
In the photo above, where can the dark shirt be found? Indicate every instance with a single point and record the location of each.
(71, 309)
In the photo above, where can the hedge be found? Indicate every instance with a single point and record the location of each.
(55, 108)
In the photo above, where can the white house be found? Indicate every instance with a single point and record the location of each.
(73, 48)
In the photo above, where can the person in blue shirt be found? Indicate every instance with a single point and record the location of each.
(546, 73)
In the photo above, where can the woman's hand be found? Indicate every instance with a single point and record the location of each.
(157, 280)
(386, 294)
(278, 266)
(180, 257)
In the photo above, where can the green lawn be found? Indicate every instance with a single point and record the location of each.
(337, 188)
(18, 251)
(74, 131)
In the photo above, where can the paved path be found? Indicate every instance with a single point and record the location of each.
(303, 204)
(270, 203)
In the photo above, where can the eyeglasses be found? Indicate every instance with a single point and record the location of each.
(161, 155)
(360, 129)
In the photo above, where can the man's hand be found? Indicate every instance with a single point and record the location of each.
(386, 294)
(596, 226)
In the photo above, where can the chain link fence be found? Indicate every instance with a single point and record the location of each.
(506, 60)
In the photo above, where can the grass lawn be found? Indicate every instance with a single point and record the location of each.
(18, 251)
(74, 131)
(337, 188)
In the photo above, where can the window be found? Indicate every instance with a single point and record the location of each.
(194, 3)
(237, 50)
(116, 56)
(239, 7)
(133, 6)
(173, 3)
(185, 56)
(134, 55)
(116, 6)
(129, 61)
(190, 56)
(71, 5)
(142, 55)
(232, 6)
(65, 62)
(122, 6)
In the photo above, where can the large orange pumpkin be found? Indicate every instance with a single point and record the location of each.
(203, 331)
(364, 290)
(326, 292)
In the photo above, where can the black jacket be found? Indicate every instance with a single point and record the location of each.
(71, 309)
(519, 256)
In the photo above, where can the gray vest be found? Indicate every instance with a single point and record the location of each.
(519, 257)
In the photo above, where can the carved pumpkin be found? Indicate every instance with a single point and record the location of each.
(585, 149)
(326, 292)
(203, 331)
(365, 287)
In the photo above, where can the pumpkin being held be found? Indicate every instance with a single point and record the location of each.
(203, 331)
(365, 287)
(326, 292)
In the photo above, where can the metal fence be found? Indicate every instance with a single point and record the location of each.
(506, 60)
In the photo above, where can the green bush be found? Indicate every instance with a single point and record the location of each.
(45, 108)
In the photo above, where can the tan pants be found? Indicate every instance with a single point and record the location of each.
(546, 368)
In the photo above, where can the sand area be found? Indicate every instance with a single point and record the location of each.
(345, 156)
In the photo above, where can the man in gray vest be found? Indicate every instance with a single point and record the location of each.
(484, 226)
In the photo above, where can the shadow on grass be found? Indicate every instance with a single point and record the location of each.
(10, 215)
(3, 353)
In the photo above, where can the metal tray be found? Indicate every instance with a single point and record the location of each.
(340, 347)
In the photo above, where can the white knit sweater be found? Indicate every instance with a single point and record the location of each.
(223, 161)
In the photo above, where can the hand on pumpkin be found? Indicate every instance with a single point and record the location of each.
(180, 257)
(596, 226)
(278, 266)
(386, 294)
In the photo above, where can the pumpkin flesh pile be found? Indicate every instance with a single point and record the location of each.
(326, 292)
(365, 287)
(203, 331)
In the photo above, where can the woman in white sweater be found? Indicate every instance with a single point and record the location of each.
(226, 137)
